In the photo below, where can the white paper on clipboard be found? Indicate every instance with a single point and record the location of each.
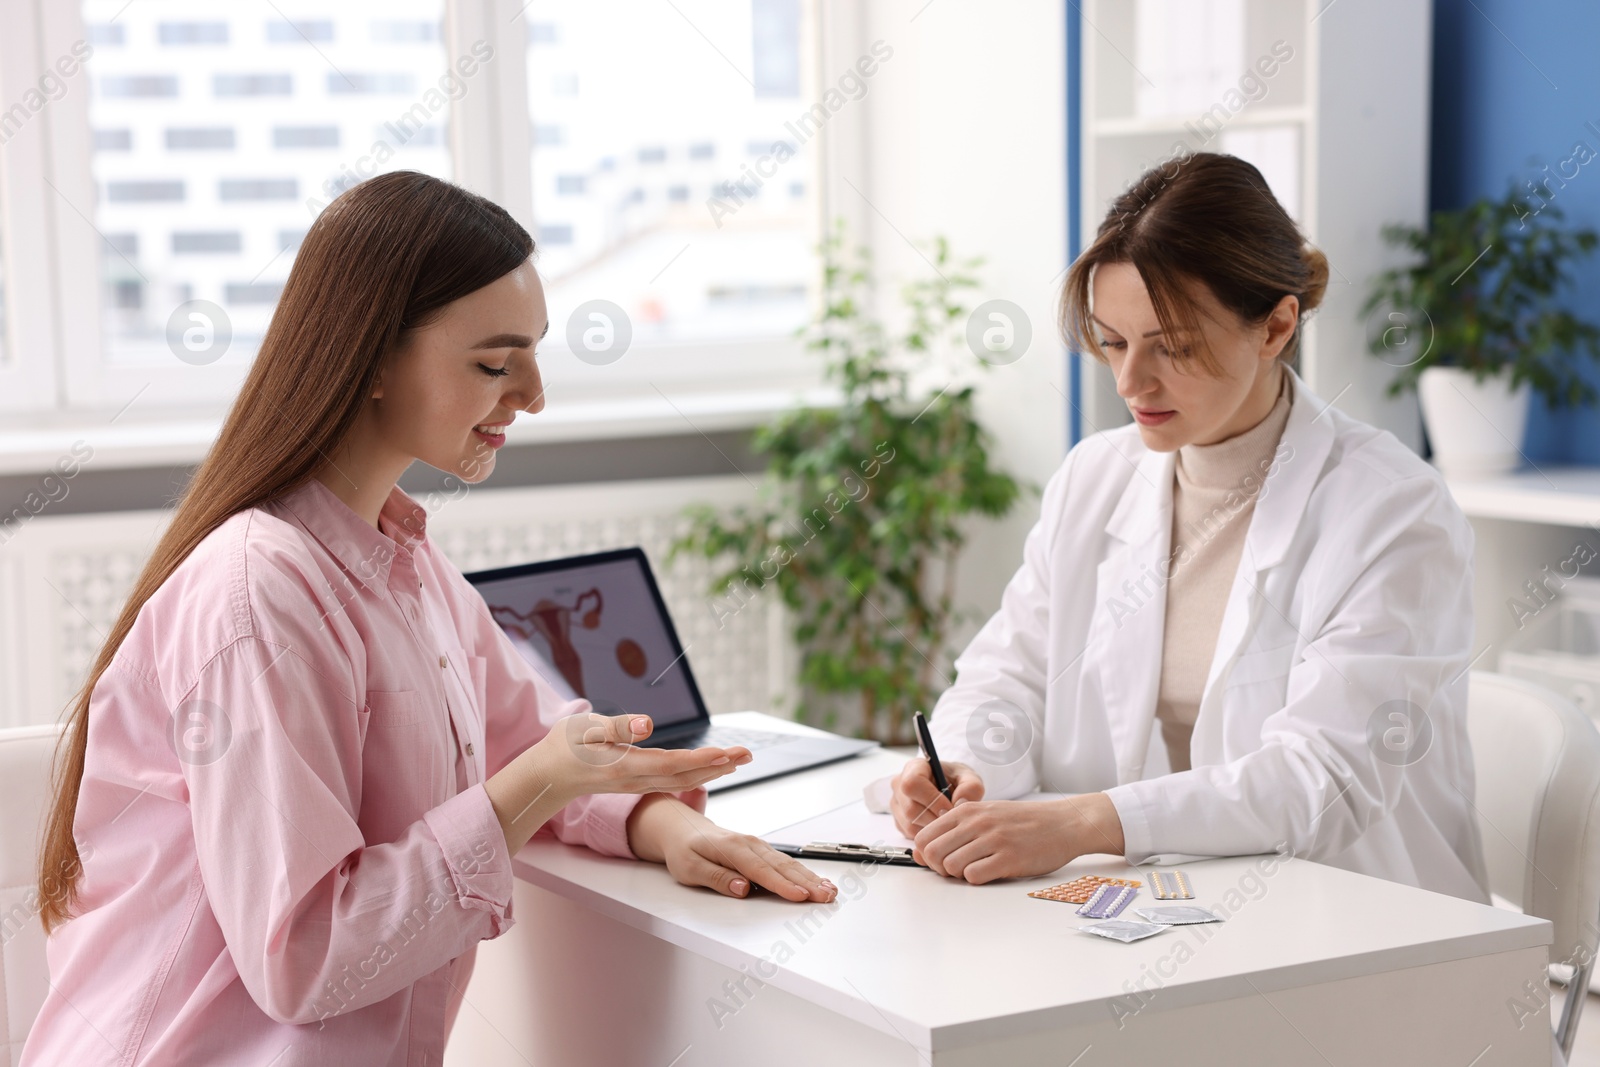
(853, 824)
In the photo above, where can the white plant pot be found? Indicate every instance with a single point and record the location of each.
(1475, 428)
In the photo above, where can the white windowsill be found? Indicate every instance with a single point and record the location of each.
(1555, 495)
(184, 440)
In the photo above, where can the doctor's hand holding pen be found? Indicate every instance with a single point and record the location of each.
(917, 801)
(590, 753)
(958, 834)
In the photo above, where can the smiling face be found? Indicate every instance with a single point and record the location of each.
(472, 366)
(1174, 401)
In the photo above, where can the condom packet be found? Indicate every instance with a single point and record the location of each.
(1178, 915)
(1122, 929)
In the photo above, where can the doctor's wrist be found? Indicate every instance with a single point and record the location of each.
(1096, 824)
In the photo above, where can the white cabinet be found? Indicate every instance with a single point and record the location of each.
(1330, 101)
(1533, 531)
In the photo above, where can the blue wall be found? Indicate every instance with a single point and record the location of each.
(1514, 83)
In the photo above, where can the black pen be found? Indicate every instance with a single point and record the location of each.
(835, 850)
(925, 742)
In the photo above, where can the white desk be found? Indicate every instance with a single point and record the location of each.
(613, 963)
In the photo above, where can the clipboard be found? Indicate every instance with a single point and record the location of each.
(835, 850)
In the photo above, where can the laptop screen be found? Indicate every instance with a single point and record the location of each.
(595, 628)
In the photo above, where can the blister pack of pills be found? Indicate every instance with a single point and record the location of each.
(1079, 890)
(1170, 885)
(1107, 902)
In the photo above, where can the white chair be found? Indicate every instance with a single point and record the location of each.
(25, 755)
(1537, 759)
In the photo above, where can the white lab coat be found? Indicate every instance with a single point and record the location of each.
(1354, 590)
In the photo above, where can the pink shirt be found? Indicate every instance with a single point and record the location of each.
(287, 841)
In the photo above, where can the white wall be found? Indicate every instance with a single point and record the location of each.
(963, 133)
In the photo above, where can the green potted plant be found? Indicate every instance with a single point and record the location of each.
(862, 516)
(1472, 325)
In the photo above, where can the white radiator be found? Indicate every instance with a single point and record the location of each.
(62, 580)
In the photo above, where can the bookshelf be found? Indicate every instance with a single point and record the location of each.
(1330, 100)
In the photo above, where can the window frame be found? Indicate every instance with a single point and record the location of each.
(495, 158)
(491, 151)
(28, 368)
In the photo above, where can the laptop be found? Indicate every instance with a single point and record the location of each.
(596, 628)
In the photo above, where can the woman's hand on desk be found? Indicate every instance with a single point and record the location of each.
(697, 851)
(916, 801)
(986, 840)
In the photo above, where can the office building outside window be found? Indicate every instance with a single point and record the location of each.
(220, 131)
(689, 206)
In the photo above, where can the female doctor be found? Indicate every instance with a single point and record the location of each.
(1241, 624)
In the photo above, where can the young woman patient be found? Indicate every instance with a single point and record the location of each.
(1243, 623)
(294, 781)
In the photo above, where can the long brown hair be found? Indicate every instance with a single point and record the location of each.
(1200, 218)
(384, 257)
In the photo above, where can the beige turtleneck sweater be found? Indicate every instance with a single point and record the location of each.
(1213, 496)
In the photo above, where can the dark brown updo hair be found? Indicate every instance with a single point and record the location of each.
(1199, 218)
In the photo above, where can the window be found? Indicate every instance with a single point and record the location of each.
(340, 82)
(403, 132)
(113, 140)
(393, 32)
(305, 137)
(775, 55)
(192, 32)
(240, 293)
(208, 243)
(207, 137)
(613, 171)
(305, 31)
(128, 86)
(252, 85)
(203, 141)
(144, 192)
(29, 284)
(258, 189)
(200, 201)
(105, 33)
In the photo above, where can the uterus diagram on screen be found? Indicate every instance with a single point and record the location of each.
(553, 621)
